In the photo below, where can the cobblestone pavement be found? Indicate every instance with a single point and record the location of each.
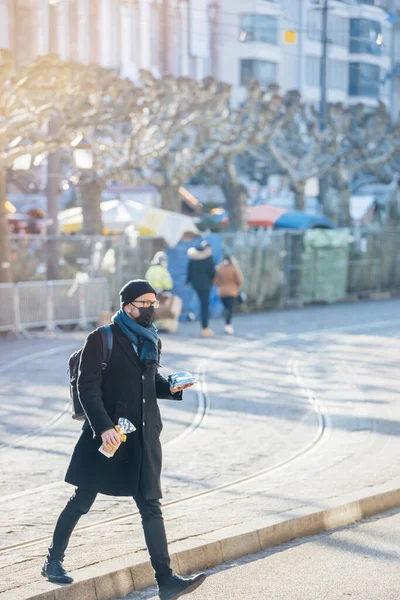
(312, 390)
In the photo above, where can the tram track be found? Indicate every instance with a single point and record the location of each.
(268, 341)
(202, 409)
(300, 454)
(56, 418)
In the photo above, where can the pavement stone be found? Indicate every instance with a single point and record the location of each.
(267, 393)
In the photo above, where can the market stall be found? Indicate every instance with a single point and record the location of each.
(120, 214)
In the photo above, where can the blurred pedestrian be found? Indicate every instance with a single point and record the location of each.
(229, 280)
(169, 311)
(200, 275)
(158, 275)
(127, 388)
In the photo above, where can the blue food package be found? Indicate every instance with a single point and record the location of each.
(180, 379)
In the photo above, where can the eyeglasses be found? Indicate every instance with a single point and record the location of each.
(146, 304)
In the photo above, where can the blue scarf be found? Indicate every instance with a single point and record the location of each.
(144, 338)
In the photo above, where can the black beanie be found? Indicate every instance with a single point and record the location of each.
(134, 289)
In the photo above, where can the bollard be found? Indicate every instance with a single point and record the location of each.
(83, 324)
(17, 311)
(50, 307)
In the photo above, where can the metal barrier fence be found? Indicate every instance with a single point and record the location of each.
(281, 269)
(117, 258)
(47, 304)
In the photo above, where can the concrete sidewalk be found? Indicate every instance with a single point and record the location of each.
(359, 562)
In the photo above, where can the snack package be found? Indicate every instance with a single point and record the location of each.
(124, 427)
(180, 378)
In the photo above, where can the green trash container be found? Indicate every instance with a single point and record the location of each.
(325, 264)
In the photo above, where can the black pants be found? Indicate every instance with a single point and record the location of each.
(152, 520)
(204, 297)
(228, 303)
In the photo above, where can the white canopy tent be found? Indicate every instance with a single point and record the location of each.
(118, 215)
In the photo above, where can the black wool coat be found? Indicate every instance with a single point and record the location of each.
(201, 272)
(123, 389)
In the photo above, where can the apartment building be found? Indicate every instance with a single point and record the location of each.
(159, 35)
(234, 40)
(361, 50)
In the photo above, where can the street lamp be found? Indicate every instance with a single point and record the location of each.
(83, 155)
(22, 163)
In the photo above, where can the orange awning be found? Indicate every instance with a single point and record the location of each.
(264, 215)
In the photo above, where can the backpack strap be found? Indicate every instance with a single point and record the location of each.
(107, 342)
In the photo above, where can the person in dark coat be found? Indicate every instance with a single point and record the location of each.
(128, 388)
(200, 275)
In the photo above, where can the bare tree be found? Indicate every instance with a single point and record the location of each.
(151, 133)
(183, 118)
(164, 131)
(47, 90)
(367, 142)
(355, 140)
(106, 139)
(299, 148)
(258, 118)
(250, 124)
(284, 135)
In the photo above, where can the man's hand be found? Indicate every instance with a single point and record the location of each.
(111, 438)
(181, 388)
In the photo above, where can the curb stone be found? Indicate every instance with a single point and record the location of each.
(121, 582)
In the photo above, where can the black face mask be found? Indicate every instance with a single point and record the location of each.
(146, 317)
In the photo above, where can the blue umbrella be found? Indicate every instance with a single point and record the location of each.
(299, 220)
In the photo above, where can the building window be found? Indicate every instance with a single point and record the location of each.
(337, 73)
(314, 25)
(313, 65)
(53, 34)
(338, 28)
(365, 37)
(258, 28)
(364, 80)
(264, 71)
(385, 79)
(155, 46)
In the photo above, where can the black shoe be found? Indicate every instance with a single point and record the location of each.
(175, 587)
(55, 572)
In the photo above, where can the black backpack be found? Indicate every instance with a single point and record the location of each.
(73, 369)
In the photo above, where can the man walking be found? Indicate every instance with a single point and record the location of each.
(200, 274)
(129, 388)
